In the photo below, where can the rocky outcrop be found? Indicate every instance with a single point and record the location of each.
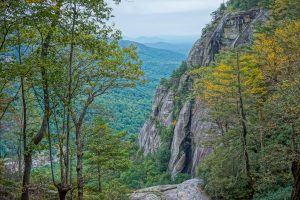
(202, 128)
(194, 128)
(162, 110)
(232, 30)
(188, 190)
(181, 141)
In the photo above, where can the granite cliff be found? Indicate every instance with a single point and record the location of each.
(190, 124)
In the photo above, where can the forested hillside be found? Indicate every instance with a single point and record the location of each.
(156, 64)
(183, 48)
(73, 96)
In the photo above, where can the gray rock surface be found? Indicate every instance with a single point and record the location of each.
(202, 130)
(149, 139)
(178, 154)
(188, 190)
(232, 30)
(162, 110)
(194, 128)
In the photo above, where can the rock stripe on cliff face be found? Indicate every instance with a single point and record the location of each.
(194, 127)
(179, 152)
(162, 110)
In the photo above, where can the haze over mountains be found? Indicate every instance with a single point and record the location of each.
(179, 44)
(158, 63)
(183, 48)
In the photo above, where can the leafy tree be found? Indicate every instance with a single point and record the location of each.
(72, 56)
(106, 152)
(266, 79)
(280, 65)
(233, 89)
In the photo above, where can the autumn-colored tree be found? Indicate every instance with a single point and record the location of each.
(279, 57)
(233, 90)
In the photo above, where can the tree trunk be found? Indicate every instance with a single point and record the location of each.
(39, 136)
(261, 129)
(26, 175)
(62, 191)
(27, 152)
(296, 175)
(79, 168)
(68, 173)
(62, 195)
(20, 158)
(245, 131)
(79, 165)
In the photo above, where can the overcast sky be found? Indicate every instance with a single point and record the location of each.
(151, 18)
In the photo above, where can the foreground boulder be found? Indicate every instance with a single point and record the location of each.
(188, 190)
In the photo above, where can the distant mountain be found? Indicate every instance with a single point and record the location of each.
(148, 53)
(166, 38)
(127, 109)
(182, 48)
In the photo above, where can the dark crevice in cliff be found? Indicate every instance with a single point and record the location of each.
(187, 148)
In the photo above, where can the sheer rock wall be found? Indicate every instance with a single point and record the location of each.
(193, 125)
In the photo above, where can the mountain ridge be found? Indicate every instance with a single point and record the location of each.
(157, 64)
(183, 48)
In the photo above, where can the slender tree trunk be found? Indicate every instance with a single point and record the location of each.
(27, 152)
(261, 129)
(62, 191)
(39, 136)
(70, 90)
(20, 157)
(62, 161)
(23, 128)
(62, 195)
(79, 144)
(24, 120)
(71, 174)
(26, 175)
(296, 175)
(66, 182)
(79, 168)
(295, 166)
(50, 152)
(245, 131)
(8, 105)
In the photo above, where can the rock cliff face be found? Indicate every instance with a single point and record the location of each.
(188, 190)
(162, 108)
(231, 30)
(193, 125)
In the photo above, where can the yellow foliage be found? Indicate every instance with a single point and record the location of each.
(279, 53)
(174, 122)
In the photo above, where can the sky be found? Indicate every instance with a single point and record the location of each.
(163, 18)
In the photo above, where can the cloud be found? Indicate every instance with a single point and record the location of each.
(150, 7)
(163, 17)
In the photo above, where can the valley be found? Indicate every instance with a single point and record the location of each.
(85, 114)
